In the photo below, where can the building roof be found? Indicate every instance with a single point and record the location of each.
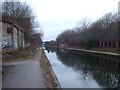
(22, 23)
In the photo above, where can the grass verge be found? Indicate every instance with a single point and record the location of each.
(46, 67)
(19, 55)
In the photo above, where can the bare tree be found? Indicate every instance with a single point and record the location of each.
(17, 9)
(84, 23)
(108, 18)
(89, 34)
(20, 10)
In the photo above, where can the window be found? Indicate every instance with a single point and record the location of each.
(114, 45)
(105, 44)
(109, 44)
(119, 44)
(9, 30)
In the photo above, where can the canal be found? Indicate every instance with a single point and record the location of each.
(75, 69)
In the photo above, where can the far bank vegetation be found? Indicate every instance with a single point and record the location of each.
(88, 35)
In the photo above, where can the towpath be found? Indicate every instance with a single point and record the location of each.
(25, 74)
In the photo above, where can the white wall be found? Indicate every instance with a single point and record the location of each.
(15, 40)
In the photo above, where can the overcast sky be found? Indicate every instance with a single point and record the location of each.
(56, 16)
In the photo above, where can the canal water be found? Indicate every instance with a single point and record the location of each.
(75, 69)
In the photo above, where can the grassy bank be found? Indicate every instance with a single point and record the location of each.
(50, 79)
(19, 54)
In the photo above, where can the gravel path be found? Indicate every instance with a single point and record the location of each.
(26, 74)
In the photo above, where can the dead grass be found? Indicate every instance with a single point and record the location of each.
(18, 55)
(49, 79)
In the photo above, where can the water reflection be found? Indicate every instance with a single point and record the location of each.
(104, 70)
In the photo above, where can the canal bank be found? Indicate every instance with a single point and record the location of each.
(91, 51)
(48, 73)
(76, 69)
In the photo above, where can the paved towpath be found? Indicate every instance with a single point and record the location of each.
(26, 74)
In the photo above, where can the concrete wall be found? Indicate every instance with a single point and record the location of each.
(21, 38)
(0, 36)
(13, 39)
(6, 37)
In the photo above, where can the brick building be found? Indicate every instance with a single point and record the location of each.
(110, 43)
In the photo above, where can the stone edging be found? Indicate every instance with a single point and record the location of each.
(53, 73)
